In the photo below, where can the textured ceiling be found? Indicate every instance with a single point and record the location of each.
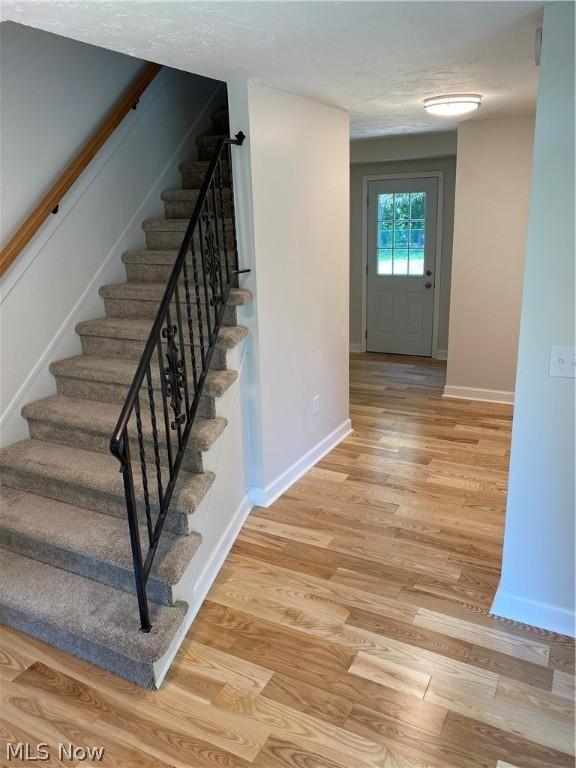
(376, 59)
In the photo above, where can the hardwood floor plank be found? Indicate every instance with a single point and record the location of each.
(308, 698)
(428, 749)
(529, 696)
(384, 672)
(410, 633)
(499, 744)
(306, 731)
(516, 646)
(563, 685)
(511, 667)
(528, 722)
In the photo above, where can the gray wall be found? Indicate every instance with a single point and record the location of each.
(537, 583)
(54, 92)
(357, 171)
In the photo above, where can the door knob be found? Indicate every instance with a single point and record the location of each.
(428, 285)
(429, 272)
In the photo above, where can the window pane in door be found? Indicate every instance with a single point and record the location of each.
(401, 233)
(385, 261)
(401, 230)
(400, 264)
(402, 206)
(385, 207)
(416, 265)
(385, 234)
(418, 205)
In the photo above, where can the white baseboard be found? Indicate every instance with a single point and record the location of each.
(204, 581)
(441, 354)
(356, 348)
(551, 617)
(263, 497)
(472, 393)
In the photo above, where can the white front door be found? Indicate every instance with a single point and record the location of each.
(402, 217)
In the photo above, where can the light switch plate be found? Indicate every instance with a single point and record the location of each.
(563, 362)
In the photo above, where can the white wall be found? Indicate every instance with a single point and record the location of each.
(412, 146)
(537, 583)
(295, 170)
(448, 167)
(54, 282)
(493, 171)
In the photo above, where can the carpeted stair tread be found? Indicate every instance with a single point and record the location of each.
(149, 256)
(44, 601)
(61, 466)
(209, 139)
(93, 416)
(170, 225)
(194, 166)
(181, 194)
(115, 370)
(89, 543)
(155, 292)
(138, 329)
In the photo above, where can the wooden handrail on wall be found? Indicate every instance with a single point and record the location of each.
(53, 197)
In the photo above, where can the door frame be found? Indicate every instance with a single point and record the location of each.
(438, 267)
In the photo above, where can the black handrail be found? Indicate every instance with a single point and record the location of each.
(207, 251)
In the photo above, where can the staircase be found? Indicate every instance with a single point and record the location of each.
(67, 573)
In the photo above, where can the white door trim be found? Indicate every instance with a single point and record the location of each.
(438, 269)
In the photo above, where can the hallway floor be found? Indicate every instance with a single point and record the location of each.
(349, 626)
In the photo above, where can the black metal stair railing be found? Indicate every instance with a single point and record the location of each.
(164, 396)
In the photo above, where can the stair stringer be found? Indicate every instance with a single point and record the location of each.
(222, 514)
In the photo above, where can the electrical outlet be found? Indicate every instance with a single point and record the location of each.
(315, 405)
(563, 362)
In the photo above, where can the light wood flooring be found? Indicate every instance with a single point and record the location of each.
(349, 627)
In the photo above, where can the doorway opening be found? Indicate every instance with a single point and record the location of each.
(402, 253)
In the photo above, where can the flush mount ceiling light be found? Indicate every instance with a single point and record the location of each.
(454, 104)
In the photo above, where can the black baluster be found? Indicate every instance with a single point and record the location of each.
(139, 572)
(165, 406)
(142, 452)
(155, 437)
(201, 228)
(190, 325)
(218, 253)
(182, 349)
(173, 376)
(198, 302)
(232, 213)
(223, 215)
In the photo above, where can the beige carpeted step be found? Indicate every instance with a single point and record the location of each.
(88, 543)
(207, 145)
(193, 173)
(125, 338)
(147, 266)
(180, 203)
(89, 424)
(108, 379)
(167, 234)
(92, 480)
(84, 617)
(143, 300)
